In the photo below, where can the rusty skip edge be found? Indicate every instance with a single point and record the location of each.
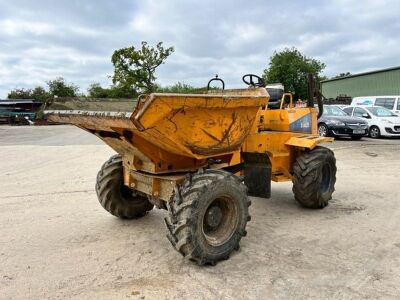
(66, 113)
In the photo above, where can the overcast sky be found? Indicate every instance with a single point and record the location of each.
(43, 39)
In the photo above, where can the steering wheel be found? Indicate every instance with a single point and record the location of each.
(250, 81)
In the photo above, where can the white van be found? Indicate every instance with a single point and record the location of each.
(390, 102)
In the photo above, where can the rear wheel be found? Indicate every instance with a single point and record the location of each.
(314, 177)
(374, 132)
(208, 216)
(117, 198)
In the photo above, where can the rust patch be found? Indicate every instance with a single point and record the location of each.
(211, 136)
(214, 149)
(224, 144)
(172, 115)
(225, 136)
(219, 147)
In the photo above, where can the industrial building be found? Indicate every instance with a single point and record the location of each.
(17, 110)
(374, 83)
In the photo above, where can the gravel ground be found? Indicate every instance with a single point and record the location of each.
(56, 241)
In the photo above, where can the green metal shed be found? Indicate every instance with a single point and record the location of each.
(375, 83)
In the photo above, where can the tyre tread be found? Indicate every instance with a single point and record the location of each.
(108, 177)
(182, 212)
(306, 173)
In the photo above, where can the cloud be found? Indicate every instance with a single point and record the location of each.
(43, 39)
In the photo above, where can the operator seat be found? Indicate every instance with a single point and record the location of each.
(275, 96)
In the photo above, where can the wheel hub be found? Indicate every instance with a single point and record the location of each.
(220, 221)
(213, 217)
(322, 131)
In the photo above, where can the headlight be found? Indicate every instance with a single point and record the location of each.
(335, 122)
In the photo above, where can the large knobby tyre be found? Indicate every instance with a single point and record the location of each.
(314, 177)
(207, 216)
(114, 196)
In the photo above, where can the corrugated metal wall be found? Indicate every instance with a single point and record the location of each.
(382, 83)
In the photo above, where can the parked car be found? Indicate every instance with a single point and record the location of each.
(341, 106)
(381, 121)
(392, 103)
(335, 122)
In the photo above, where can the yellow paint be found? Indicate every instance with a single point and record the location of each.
(310, 141)
(178, 133)
(198, 125)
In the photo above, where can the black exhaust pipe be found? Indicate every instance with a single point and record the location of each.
(314, 93)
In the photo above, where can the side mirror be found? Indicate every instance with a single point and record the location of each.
(365, 115)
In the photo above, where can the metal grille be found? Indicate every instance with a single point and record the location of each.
(358, 126)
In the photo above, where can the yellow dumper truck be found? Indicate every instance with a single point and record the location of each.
(200, 157)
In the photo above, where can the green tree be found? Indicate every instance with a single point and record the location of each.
(20, 94)
(135, 68)
(291, 68)
(120, 91)
(95, 90)
(181, 88)
(40, 94)
(58, 87)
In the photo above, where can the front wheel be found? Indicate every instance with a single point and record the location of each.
(114, 196)
(314, 177)
(374, 132)
(208, 216)
(323, 130)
